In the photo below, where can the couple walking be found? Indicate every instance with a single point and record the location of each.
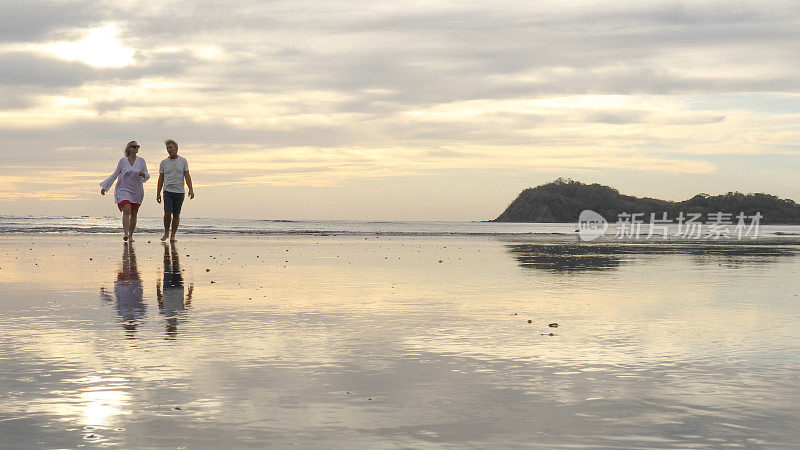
(131, 174)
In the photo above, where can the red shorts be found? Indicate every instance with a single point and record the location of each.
(134, 206)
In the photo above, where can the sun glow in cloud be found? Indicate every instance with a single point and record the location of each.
(99, 48)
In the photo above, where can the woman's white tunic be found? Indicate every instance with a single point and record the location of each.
(130, 183)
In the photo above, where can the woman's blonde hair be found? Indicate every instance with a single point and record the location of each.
(128, 147)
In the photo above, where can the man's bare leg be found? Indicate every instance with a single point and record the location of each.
(176, 219)
(167, 221)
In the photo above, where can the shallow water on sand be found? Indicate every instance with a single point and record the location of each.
(383, 342)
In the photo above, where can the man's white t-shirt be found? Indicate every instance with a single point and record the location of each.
(173, 170)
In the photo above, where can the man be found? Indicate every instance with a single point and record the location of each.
(171, 174)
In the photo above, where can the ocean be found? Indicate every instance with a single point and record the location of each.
(223, 226)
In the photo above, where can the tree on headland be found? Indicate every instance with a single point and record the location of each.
(563, 200)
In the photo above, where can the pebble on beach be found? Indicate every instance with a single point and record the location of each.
(553, 325)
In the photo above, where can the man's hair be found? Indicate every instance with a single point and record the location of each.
(170, 141)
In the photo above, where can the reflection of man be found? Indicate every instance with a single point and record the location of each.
(128, 293)
(171, 299)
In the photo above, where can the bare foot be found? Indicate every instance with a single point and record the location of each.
(130, 238)
(172, 239)
(164, 237)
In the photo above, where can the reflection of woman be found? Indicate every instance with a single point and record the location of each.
(128, 292)
(131, 173)
(171, 299)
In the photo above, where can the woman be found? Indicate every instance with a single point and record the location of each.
(132, 173)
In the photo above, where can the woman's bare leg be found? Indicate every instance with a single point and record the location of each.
(132, 225)
(126, 220)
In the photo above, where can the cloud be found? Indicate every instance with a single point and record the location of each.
(24, 69)
(345, 90)
(35, 20)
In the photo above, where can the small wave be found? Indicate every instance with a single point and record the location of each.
(70, 230)
(207, 230)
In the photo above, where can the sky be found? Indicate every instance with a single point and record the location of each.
(401, 110)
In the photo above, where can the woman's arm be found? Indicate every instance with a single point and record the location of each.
(143, 173)
(106, 184)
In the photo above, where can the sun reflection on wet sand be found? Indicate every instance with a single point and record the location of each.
(102, 404)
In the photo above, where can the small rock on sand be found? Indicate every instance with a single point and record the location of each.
(553, 325)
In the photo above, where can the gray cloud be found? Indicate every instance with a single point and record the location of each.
(458, 51)
(12, 99)
(30, 69)
(34, 20)
(28, 75)
(462, 54)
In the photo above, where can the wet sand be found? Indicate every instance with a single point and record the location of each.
(385, 342)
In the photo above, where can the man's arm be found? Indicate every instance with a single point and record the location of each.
(188, 179)
(160, 185)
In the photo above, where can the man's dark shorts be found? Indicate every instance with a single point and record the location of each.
(173, 202)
